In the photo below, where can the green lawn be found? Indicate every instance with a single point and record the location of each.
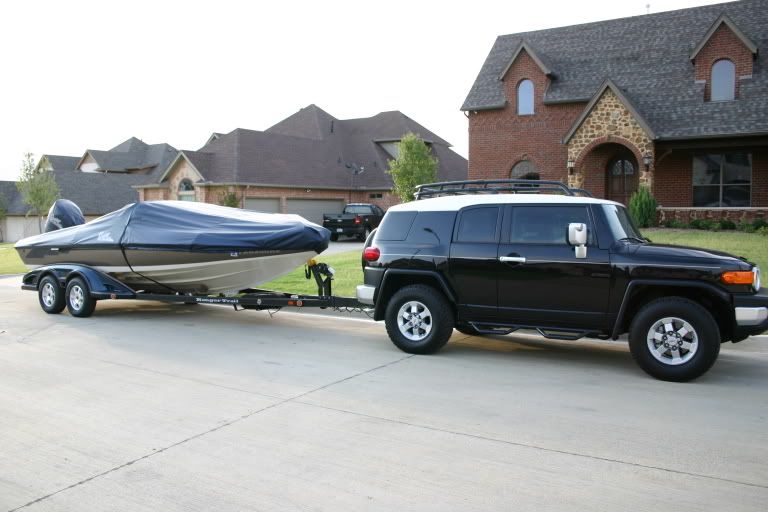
(9, 260)
(752, 246)
(349, 274)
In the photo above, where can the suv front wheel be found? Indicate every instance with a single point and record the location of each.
(419, 319)
(674, 339)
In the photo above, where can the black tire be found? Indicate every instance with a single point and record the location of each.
(662, 362)
(51, 295)
(365, 234)
(334, 237)
(466, 329)
(437, 322)
(78, 298)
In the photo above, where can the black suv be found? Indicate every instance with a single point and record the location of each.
(492, 257)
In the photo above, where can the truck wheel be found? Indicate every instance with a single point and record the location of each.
(79, 300)
(334, 237)
(674, 339)
(419, 319)
(365, 235)
(51, 295)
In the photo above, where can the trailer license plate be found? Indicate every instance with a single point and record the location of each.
(339, 230)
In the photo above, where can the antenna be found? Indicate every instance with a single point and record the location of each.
(647, 8)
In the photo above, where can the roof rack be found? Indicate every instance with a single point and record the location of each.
(458, 188)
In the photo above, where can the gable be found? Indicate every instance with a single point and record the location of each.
(532, 54)
(721, 29)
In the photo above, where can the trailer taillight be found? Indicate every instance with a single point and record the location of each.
(358, 220)
(371, 253)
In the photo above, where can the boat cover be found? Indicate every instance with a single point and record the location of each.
(189, 226)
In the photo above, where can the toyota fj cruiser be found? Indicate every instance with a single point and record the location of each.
(492, 257)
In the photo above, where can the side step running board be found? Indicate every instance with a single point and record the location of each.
(551, 333)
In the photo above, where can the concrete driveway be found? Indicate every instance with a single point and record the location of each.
(153, 407)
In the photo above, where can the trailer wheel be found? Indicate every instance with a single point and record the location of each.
(51, 295)
(419, 320)
(79, 300)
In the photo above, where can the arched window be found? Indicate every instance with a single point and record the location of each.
(525, 98)
(186, 190)
(723, 81)
(524, 170)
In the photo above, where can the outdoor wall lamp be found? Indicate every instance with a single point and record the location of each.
(571, 164)
(647, 159)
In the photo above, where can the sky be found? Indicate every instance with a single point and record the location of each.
(77, 75)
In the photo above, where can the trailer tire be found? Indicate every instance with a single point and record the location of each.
(51, 295)
(78, 298)
(419, 319)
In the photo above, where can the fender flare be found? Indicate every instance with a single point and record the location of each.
(444, 287)
(722, 294)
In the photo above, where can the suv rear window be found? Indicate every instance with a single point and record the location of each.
(478, 224)
(395, 226)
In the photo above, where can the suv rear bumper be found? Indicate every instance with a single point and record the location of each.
(751, 312)
(365, 294)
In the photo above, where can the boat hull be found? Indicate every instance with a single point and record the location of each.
(179, 271)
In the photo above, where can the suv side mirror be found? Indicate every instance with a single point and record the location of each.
(577, 236)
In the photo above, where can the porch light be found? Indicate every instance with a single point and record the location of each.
(647, 159)
(571, 164)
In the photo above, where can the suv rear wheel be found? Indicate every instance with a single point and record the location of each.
(674, 339)
(419, 319)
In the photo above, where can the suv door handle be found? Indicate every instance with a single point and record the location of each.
(511, 259)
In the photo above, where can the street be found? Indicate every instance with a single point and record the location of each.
(149, 406)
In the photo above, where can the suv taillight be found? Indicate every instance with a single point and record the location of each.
(371, 253)
(358, 220)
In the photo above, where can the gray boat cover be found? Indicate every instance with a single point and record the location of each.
(188, 226)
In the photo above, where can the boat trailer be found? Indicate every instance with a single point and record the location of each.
(77, 287)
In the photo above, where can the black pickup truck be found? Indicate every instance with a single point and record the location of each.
(560, 264)
(357, 219)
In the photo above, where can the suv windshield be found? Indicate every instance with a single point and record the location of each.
(621, 223)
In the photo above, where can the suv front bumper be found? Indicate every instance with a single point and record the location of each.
(751, 313)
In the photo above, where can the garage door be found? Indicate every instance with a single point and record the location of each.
(313, 209)
(263, 204)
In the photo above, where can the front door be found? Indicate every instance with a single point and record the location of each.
(622, 178)
(540, 280)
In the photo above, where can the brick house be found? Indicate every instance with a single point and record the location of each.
(675, 101)
(310, 163)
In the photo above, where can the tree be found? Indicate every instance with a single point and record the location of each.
(229, 199)
(38, 188)
(414, 165)
(3, 213)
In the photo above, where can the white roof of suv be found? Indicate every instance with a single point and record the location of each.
(452, 203)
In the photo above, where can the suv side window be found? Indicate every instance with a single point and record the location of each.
(478, 224)
(547, 224)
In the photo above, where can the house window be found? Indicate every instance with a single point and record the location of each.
(525, 98)
(723, 81)
(524, 170)
(376, 195)
(722, 179)
(186, 190)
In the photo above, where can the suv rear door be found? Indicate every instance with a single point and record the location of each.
(473, 261)
(545, 284)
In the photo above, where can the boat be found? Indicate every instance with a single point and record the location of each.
(178, 246)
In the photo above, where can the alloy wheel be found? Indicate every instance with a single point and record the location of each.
(414, 320)
(672, 341)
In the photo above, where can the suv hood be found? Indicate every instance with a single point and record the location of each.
(663, 253)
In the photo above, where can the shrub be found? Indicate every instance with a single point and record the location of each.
(642, 208)
(759, 223)
(696, 224)
(746, 227)
(673, 223)
(727, 224)
(763, 231)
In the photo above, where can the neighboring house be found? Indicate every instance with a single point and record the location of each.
(675, 101)
(310, 163)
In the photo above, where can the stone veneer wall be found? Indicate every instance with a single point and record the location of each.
(610, 122)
